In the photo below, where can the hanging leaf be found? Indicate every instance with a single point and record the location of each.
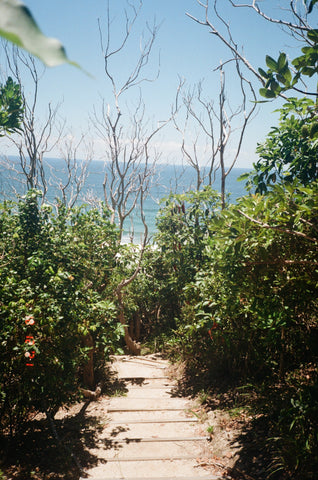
(311, 5)
(18, 26)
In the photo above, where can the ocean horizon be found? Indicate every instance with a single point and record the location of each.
(167, 179)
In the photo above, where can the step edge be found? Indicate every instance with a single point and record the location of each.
(128, 440)
(150, 421)
(192, 477)
(149, 459)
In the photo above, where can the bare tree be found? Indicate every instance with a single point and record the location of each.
(130, 158)
(36, 139)
(213, 124)
(69, 181)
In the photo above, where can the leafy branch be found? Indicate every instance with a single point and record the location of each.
(278, 229)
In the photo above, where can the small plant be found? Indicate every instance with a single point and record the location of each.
(210, 430)
(203, 397)
(236, 412)
(2, 476)
(119, 393)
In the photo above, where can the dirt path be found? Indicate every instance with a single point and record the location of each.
(148, 432)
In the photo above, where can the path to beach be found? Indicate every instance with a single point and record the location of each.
(150, 433)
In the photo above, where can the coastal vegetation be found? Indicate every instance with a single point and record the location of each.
(228, 289)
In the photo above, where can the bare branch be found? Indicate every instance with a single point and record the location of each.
(278, 229)
(229, 42)
(203, 114)
(134, 77)
(71, 180)
(129, 165)
(298, 28)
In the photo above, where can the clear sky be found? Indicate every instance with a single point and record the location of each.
(186, 50)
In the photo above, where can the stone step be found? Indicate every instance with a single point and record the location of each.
(150, 392)
(153, 421)
(146, 363)
(150, 433)
(192, 477)
(143, 370)
(112, 450)
(146, 404)
(150, 416)
(182, 469)
(149, 360)
(146, 382)
(141, 476)
(153, 430)
(155, 439)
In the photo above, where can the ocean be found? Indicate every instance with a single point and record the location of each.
(167, 179)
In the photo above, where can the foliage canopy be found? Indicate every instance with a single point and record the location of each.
(11, 107)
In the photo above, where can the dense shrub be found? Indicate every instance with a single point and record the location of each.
(55, 275)
(248, 308)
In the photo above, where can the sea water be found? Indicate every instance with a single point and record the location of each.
(167, 179)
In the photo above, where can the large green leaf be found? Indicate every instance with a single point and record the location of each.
(19, 27)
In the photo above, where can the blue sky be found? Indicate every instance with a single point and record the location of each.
(186, 50)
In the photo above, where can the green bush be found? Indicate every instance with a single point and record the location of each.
(55, 273)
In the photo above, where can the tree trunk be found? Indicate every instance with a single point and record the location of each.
(133, 347)
(88, 372)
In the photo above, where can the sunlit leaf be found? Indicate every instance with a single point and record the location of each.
(267, 93)
(244, 176)
(263, 73)
(281, 61)
(18, 26)
(271, 63)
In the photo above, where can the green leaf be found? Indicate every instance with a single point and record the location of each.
(244, 176)
(313, 35)
(311, 5)
(19, 27)
(271, 63)
(275, 87)
(263, 73)
(309, 71)
(282, 79)
(298, 61)
(282, 61)
(267, 93)
(287, 75)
